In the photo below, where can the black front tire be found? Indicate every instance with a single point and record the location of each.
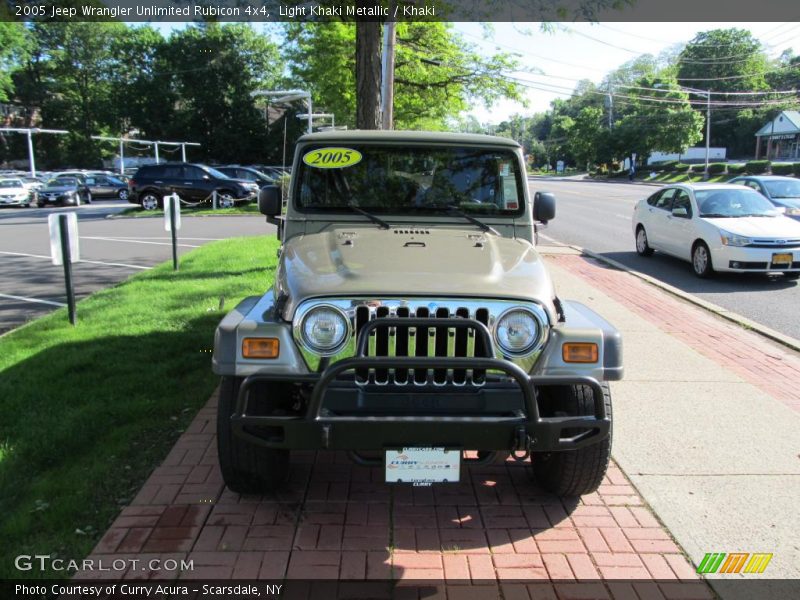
(246, 468)
(642, 245)
(701, 261)
(574, 472)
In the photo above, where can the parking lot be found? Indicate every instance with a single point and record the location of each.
(111, 249)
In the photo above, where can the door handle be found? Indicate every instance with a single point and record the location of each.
(187, 183)
(158, 182)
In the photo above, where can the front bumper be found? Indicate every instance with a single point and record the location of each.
(746, 259)
(13, 201)
(59, 200)
(502, 413)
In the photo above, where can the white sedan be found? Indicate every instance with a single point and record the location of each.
(718, 227)
(14, 192)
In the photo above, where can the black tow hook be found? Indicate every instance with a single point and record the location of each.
(522, 443)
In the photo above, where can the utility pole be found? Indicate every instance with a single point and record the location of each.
(708, 130)
(610, 102)
(387, 72)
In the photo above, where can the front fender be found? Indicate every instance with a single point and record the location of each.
(255, 316)
(582, 324)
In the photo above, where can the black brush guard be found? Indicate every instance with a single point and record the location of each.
(523, 429)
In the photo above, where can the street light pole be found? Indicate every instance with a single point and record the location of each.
(288, 96)
(708, 131)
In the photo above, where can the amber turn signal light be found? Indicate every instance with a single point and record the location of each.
(261, 347)
(579, 352)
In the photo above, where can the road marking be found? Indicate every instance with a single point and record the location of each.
(93, 262)
(35, 300)
(626, 217)
(549, 239)
(134, 241)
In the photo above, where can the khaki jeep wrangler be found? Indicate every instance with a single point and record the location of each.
(411, 321)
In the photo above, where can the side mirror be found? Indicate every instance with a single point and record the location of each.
(269, 201)
(680, 212)
(544, 207)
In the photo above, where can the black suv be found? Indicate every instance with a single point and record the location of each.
(192, 182)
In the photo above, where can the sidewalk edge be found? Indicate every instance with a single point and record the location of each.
(740, 320)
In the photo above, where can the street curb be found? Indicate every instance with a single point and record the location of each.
(726, 314)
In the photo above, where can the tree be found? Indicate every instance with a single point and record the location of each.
(14, 48)
(723, 60)
(68, 76)
(437, 74)
(204, 76)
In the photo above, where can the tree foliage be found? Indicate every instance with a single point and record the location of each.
(14, 47)
(437, 74)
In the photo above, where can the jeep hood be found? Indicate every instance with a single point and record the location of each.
(407, 262)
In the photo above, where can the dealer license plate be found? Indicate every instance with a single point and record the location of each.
(781, 259)
(423, 466)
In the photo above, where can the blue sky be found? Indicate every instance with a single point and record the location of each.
(567, 54)
(575, 51)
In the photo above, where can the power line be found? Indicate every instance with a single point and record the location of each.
(652, 99)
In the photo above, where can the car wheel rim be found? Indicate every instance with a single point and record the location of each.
(641, 241)
(149, 203)
(123, 195)
(700, 260)
(226, 202)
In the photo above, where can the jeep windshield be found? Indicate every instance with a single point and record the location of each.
(408, 180)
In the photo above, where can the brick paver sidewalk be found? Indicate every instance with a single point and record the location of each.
(337, 520)
(758, 361)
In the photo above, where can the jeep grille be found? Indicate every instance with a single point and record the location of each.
(421, 342)
(417, 341)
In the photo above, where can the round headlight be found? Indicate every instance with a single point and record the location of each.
(516, 331)
(324, 330)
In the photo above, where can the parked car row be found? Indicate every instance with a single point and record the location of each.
(750, 225)
(61, 188)
(193, 183)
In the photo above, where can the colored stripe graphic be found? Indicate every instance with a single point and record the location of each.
(757, 563)
(734, 563)
(710, 562)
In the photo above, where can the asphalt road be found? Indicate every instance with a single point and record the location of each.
(597, 216)
(110, 250)
(592, 215)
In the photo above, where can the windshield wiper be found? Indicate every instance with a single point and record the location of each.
(473, 220)
(714, 216)
(380, 222)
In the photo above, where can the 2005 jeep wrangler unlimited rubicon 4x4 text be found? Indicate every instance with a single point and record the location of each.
(412, 318)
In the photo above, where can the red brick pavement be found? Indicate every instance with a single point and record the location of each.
(337, 520)
(758, 361)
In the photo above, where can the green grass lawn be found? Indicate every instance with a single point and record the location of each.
(89, 411)
(205, 210)
(668, 177)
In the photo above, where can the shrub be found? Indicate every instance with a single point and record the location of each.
(783, 168)
(796, 169)
(699, 168)
(736, 169)
(755, 167)
(716, 168)
(681, 168)
(661, 167)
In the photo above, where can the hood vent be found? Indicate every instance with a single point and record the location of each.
(411, 231)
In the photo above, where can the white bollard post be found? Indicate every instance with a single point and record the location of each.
(214, 200)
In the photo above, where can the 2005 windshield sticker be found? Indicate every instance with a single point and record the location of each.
(332, 158)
